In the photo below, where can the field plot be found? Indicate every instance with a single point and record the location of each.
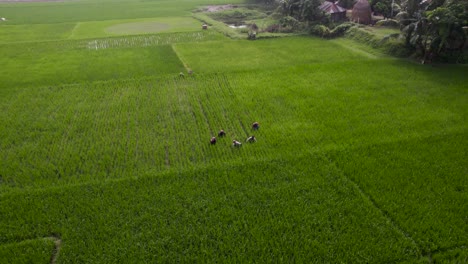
(75, 61)
(52, 63)
(268, 54)
(38, 32)
(148, 40)
(261, 211)
(124, 128)
(96, 29)
(314, 123)
(422, 181)
(152, 127)
(81, 11)
(105, 154)
(119, 129)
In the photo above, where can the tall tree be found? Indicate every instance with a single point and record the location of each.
(384, 8)
(302, 10)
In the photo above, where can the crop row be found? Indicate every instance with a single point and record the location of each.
(266, 210)
(123, 128)
(400, 146)
(56, 68)
(148, 40)
(111, 42)
(118, 129)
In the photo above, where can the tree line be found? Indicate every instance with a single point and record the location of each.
(433, 29)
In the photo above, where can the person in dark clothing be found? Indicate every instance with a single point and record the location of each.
(213, 141)
(255, 126)
(221, 133)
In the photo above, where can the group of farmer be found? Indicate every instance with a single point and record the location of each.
(235, 143)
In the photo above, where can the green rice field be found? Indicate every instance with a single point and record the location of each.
(105, 153)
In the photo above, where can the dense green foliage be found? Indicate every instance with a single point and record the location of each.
(385, 40)
(302, 10)
(325, 32)
(436, 29)
(383, 7)
(105, 149)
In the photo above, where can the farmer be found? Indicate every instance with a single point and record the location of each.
(251, 139)
(236, 143)
(213, 141)
(255, 126)
(221, 133)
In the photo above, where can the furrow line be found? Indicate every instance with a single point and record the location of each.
(159, 116)
(384, 213)
(57, 246)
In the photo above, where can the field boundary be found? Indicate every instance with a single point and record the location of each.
(372, 202)
(57, 246)
(55, 238)
(358, 50)
(186, 66)
(77, 25)
(423, 254)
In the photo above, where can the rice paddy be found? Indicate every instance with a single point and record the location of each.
(105, 153)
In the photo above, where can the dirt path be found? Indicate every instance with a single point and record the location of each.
(58, 244)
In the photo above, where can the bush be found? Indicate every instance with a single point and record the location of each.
(390, 44)
(394, 47)
(289, 21)
(362, 36)
(276, 28)
(388, 23)
(320, 30)
(325, 32)
(341, 29)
